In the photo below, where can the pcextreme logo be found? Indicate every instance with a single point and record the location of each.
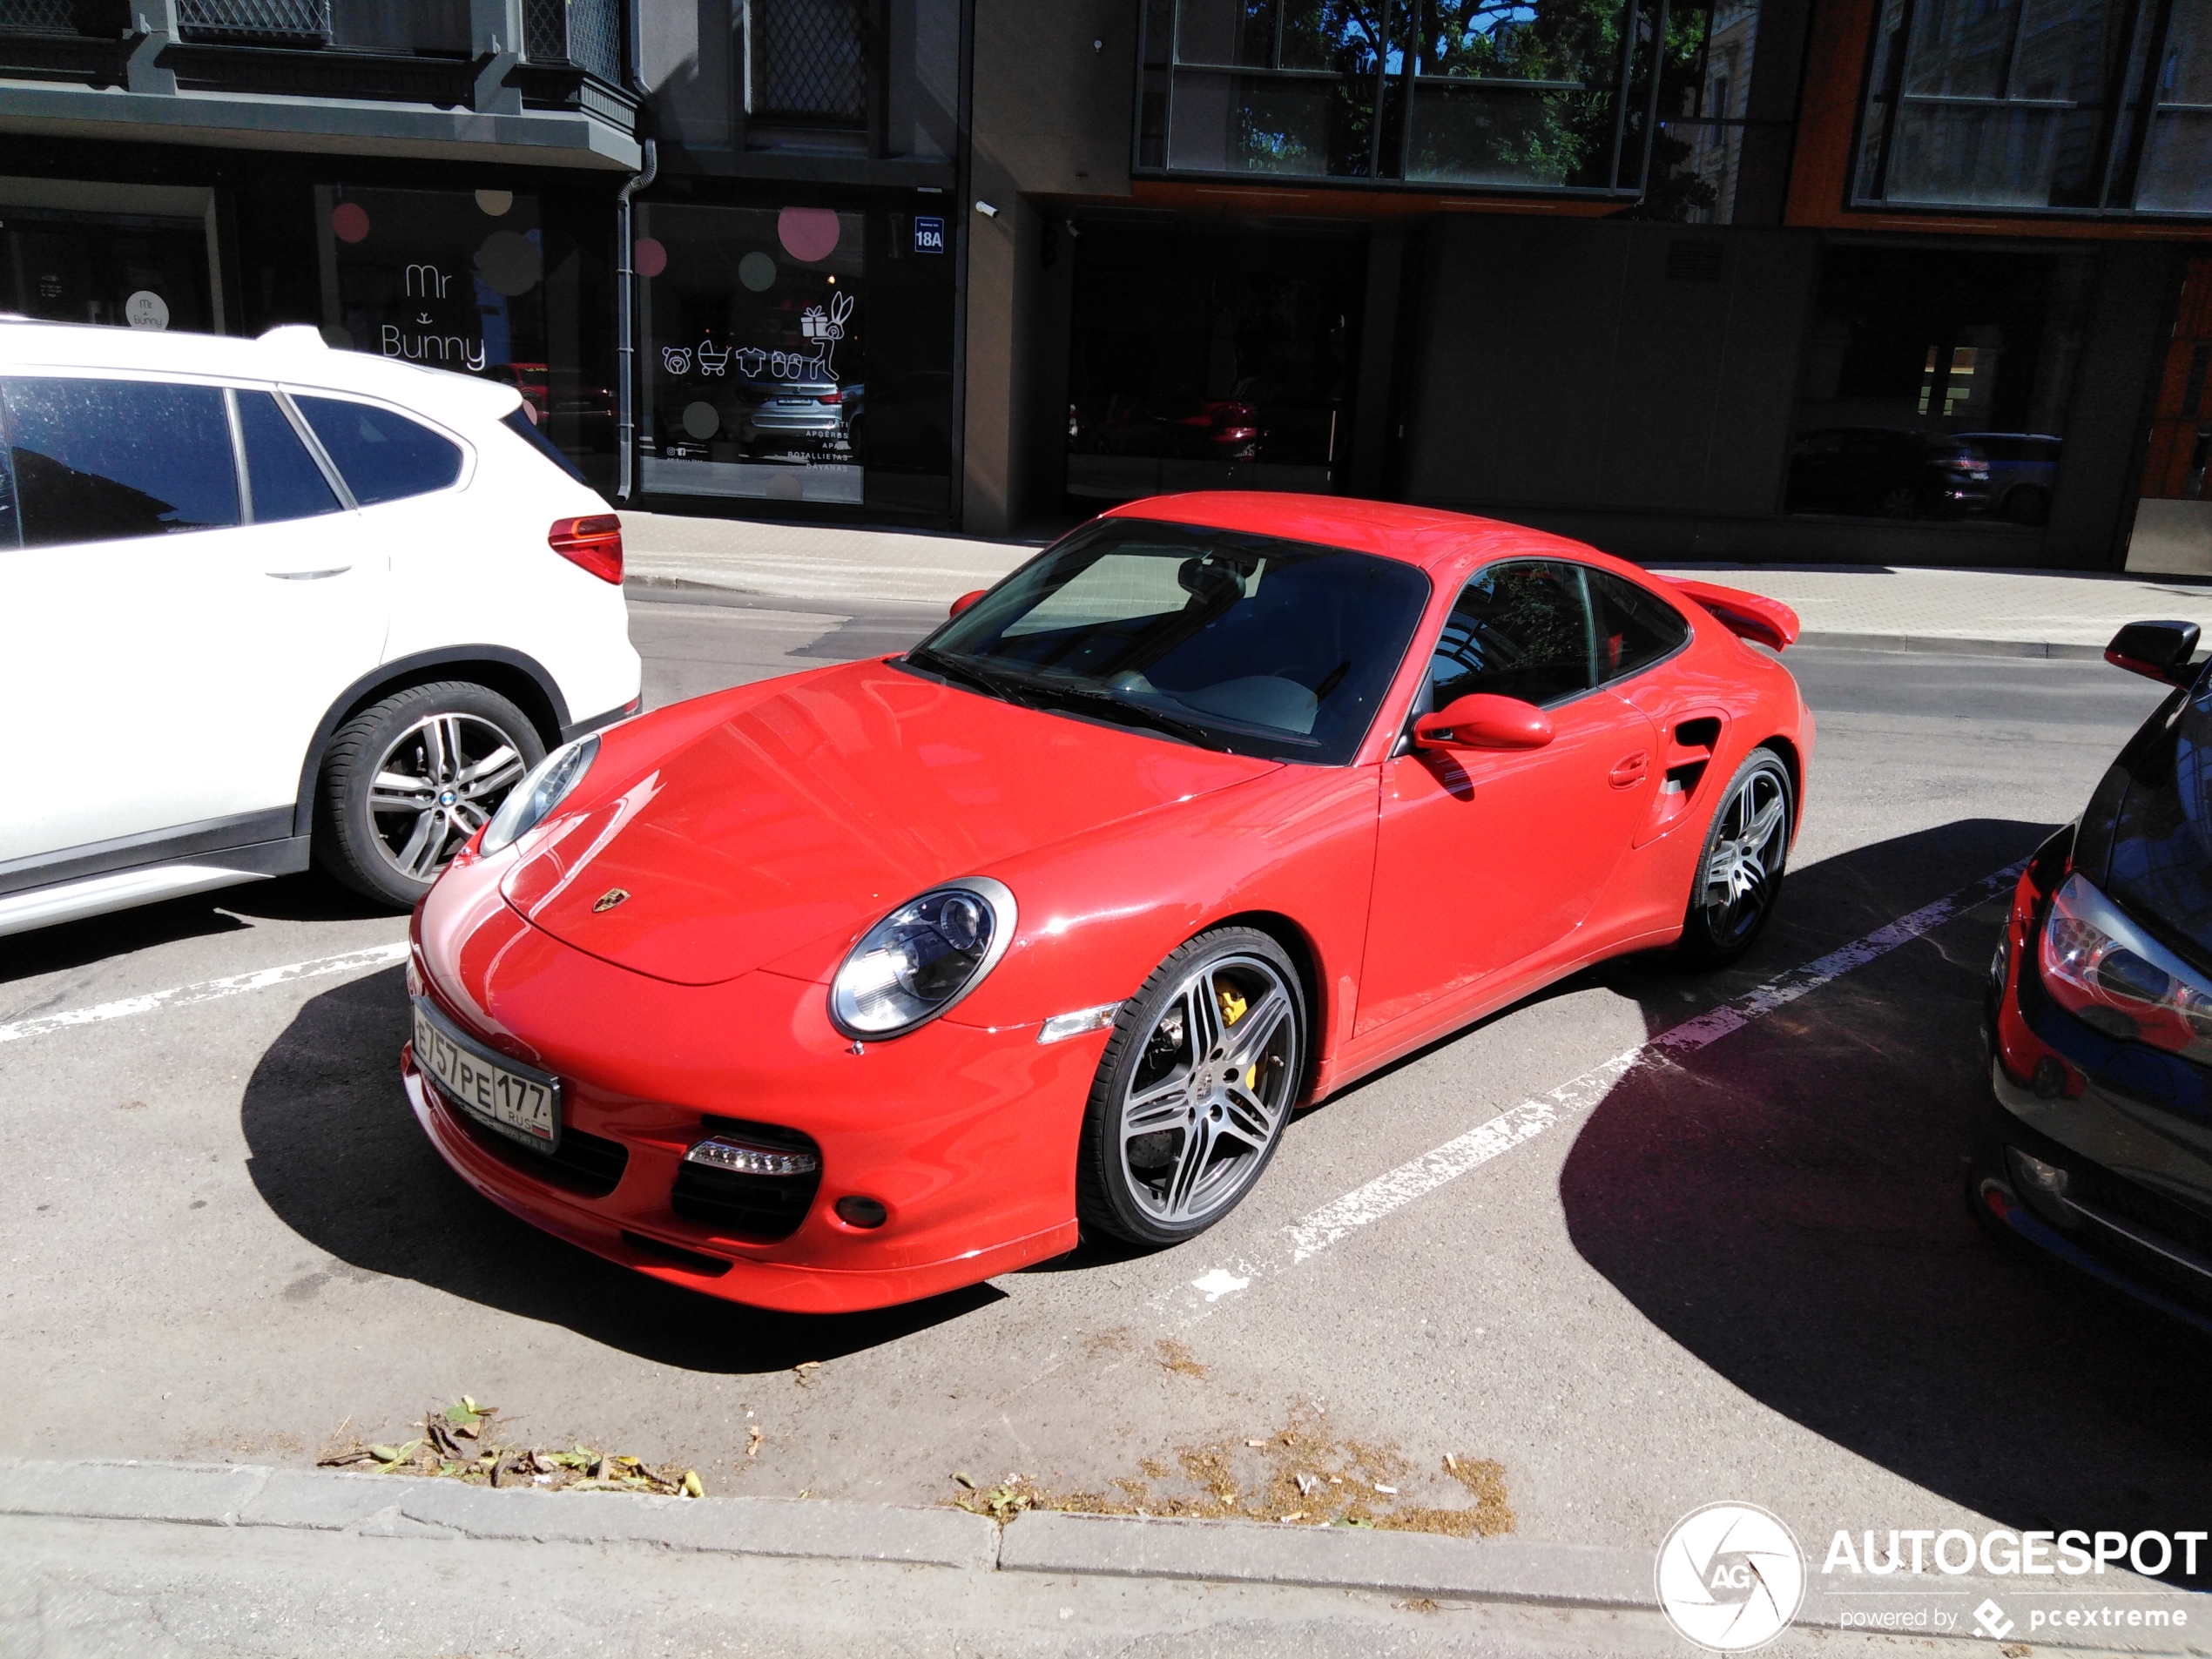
(1730, 1577)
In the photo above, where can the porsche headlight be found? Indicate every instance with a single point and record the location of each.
(922, 958)
(546, 787)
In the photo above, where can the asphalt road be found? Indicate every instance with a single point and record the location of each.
(1746, 1275)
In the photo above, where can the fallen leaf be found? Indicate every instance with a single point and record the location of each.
(752, 1438)
(967, 1480)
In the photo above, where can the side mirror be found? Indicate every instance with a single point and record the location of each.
(1482, 721)
(965, 600)
(2158, 650)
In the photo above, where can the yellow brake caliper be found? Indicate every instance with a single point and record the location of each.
(1232, 1009)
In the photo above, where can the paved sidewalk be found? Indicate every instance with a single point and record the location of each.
(104, 1557)
(1877, 606)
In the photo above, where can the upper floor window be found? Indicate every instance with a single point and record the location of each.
(807, 62)
(1550, 95)
(2035, 105)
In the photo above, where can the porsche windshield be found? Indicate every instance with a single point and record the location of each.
(1235, 641)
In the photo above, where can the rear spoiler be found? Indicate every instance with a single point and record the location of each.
(1747, 615)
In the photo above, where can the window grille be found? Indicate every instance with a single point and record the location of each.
(256, 22)
(808, 61)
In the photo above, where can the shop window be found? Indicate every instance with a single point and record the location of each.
(448, 279)
(1209, 363)
(1546, 95)
(99, 461)
(754, 323)
(1936, 385)
(128, 269)
(2034, 106)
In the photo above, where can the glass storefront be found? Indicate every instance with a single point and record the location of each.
(1937, 383)
(799, 353)
(140, 270)
(1210, 362)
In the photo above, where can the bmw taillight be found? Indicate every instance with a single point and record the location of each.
(830, 397)
(2103, 969)
(594, 542)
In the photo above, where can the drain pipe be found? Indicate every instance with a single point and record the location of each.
(626, 281)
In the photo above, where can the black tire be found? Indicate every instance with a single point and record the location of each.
(1232, 1124)
(1716, 933)
(1899, 501)
(364, 837)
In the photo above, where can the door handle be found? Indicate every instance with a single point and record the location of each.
(308, 576)
(1629, 771)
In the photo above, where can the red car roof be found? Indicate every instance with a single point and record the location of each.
(1422, 535)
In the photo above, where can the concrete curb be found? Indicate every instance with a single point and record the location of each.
(1329, 1558)
(1505, 1570)
(380, 1506)
(1945, 645)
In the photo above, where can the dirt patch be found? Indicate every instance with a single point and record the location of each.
(1303, 1473)
(461, 1443)
(1173, 1356)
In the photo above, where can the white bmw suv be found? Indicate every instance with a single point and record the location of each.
(262, 601)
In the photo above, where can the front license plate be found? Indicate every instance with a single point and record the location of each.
(519, 1102)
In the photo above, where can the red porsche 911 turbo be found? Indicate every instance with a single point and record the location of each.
(875, 981)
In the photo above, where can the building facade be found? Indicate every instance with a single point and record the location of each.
(1863, 280)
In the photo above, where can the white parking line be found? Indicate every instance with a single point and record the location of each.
(207, 990)
(1397, 1188)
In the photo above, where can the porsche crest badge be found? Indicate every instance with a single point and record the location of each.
(610, 899)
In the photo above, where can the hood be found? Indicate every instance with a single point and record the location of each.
(812, 812)
(2151, 826)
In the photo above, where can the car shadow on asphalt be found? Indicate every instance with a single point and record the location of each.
(334, 1151)
(1787, 1204)
(309, 896)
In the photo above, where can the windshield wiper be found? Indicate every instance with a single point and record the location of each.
(1131, 713)
(952, 669)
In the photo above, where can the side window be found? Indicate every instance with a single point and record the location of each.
(1518, 630)
(1635, 628)
(280, 475)
(98, 461)
(382, 457)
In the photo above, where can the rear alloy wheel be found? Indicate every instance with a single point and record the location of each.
(1739, 872)
(1899, 500)
(1193, 1090)
(406, 783)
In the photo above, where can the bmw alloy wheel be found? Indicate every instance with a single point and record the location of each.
(436, 784)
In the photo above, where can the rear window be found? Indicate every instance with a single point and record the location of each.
(382, 457)
(523, 427)
(99, 461)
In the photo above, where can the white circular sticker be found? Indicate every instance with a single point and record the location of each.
(146, 309)
(1730, 1577)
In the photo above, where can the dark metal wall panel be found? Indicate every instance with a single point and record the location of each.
(2094, 505)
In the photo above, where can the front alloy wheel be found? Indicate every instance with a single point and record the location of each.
(406, 783)
(1194, 1089)
(1739, 872)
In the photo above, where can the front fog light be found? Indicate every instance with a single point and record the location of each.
(723, 1154)
(922, 958)
(2044, 1186)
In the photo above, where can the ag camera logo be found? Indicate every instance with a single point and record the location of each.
(1730, 1577)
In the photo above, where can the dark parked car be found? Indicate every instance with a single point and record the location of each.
(2097, 1142)
(1886, 473)
(2023, 470)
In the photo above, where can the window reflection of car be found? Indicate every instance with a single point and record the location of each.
(907, 423)
(2023, 470)
(1886, 473)
(780, 414)
(1185, 428)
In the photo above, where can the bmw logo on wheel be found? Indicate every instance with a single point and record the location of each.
(1730, 1577)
